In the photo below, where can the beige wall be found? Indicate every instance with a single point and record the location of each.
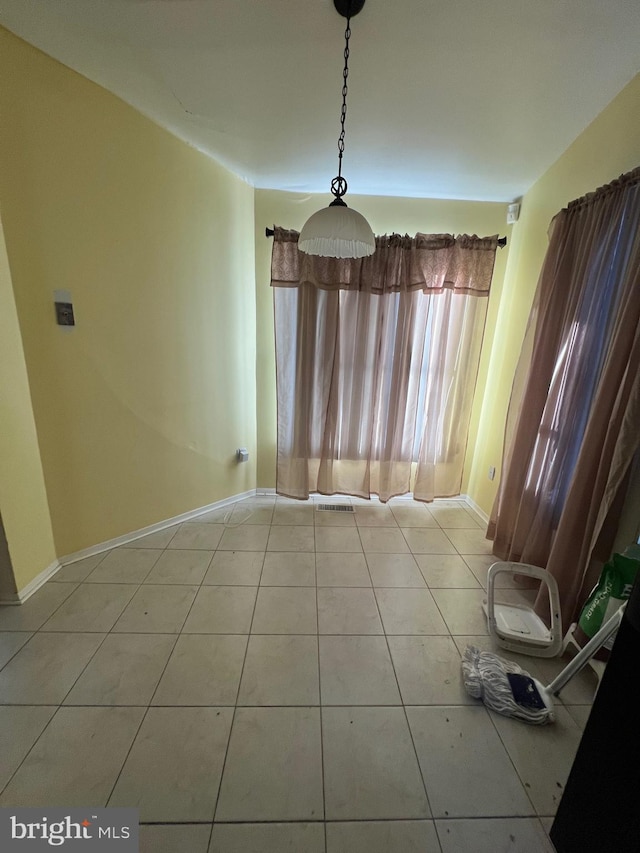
(386, 215)
(608, 147)
(139, 409)
(24, 511)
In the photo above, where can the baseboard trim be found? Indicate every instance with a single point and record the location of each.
(152, 528)
(474, 506)
(34, 585)
(45, 575)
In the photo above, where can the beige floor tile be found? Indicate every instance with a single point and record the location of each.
(235, 568)
(288, 514)
(357, 671)
(180, 567)
(580, 714)
(280, 670)
(446, 571)
(286, 568)
(250, 537)
(547, 823)
(157, 539)
(91, 607)
(466, 769)
(197, 535)
(462, 610)
(20, 728)
(342, 570)
(383, 540)
(124, 671)
(515, 835)
(157, 609)
(175, 838)
(426, 540)
(347, 611)
(268, 838)
(542, 755)
(469, 541)
(580, 690)
(173, 770)
(80, 570)
(37, 609)
(216, 516)
(370, 766)
(221, 610)
(394, 570)
(488, 644)
(429, 671)
(409, 611)
(374, 516)
(285, 610)
(273, 769)
(43, 671)
(204, 669)
(291, 538)
(338, 540)
(250, 514)
(383, 836)
(454, 517)
(10, 643)
(76, 760)
(413, 516)
(480, 564)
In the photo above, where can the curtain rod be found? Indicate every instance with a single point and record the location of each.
(502, 242)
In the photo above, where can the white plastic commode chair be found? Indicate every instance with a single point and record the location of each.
(517, 627)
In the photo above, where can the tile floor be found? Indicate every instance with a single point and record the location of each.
(276, 678)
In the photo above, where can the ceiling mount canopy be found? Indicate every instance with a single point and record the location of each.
(338, 231)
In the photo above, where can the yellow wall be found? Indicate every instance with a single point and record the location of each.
(386, 215)
(608, 147)
(140, 408)
(23, 501)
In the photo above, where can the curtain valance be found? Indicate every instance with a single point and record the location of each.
(428, 262)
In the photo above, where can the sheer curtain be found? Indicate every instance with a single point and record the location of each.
(572, 433)
(376, 363)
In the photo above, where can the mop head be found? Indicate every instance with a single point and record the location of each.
(505, 687)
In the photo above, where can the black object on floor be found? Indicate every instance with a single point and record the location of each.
(600, 806)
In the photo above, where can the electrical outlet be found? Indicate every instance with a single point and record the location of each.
(492, 472)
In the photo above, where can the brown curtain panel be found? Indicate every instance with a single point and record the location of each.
(376, 363)
(573, 425)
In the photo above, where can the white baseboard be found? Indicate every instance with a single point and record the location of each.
(51, 570)
(33, 585)
(45, 575)
(152, 528)
(474, 506)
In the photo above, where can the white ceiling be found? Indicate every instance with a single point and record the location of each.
(454, 99)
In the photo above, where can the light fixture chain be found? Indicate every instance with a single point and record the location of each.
(345, 89)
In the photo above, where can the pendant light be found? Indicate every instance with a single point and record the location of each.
(339, 231)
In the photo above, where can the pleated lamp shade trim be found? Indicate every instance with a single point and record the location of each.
(337, 232)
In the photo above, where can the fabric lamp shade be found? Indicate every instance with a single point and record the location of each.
(337, 231)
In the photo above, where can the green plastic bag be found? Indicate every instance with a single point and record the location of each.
(613, 588)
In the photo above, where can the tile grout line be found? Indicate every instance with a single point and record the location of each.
(320, 715)
(404, 711)
(148, 707)
(57, 706)
(235, 706)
